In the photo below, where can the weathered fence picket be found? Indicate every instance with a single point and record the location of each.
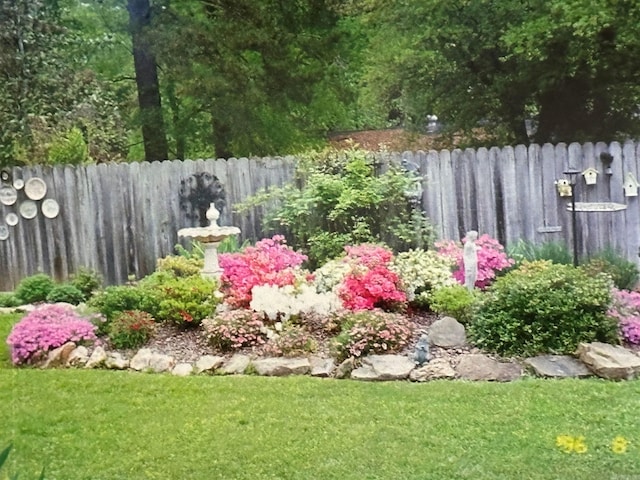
(119, 218)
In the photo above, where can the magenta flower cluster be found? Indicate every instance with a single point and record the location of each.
(370, 283)
(269, 262)
(45, 329)
(625, 308)
(491, 259)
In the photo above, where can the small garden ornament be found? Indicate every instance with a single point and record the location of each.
(421, 353)
(470, 258)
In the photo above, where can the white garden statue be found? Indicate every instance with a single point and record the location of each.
(470, 259)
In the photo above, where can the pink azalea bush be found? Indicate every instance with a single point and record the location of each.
(491, 259)
(45, 329)
(373, 332)
(625, 308)
(235, 329)
(269, 262)
(370, 283)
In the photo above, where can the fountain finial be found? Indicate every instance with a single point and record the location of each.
(213, 215)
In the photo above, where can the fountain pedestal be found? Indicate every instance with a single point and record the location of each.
(210, 237)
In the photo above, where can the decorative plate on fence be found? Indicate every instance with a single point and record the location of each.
(35, 188)
(4, 232)
(8, 195)
(28, 209)
(18, 183)
(12, 219)
(50, 208)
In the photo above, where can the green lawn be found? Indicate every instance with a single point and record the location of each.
(121, 425)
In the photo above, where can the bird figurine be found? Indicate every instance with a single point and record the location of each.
(421, 353)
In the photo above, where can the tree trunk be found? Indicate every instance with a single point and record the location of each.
(153, 131)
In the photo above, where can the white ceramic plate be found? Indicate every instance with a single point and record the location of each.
(12, 219)
(28, 209)
(50, 208)
(4, 232)
(8, 195)
(35, 188)
(18, 183)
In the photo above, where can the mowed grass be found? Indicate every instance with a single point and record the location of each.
(123, 425)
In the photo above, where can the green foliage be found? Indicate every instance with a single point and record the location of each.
(555, 252)
(114, 300)
(179, 265)
(70, 148)
(4, 454)
(456, 301)
(232, 245)
(339, 199)
(131, 329)
(65, 292)
(34, 288)
(292, 341)
(623, 272)
(195, 251)
(544, 308)
(184, 301)
(87, 281)
(9, 300)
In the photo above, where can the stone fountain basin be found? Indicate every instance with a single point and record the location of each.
(208, 234)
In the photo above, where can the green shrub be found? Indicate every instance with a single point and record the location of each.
(180, 266)
(184, 301)
(544, 308)
(69, 148)
(117, 299)
(555, 252)
(65, 293)
(372, 331)
(456, 301)
(235, 329)
(292, 341)
(623, 272)
(87, 281)
(131, 329)
(34, 288)
(9, 300)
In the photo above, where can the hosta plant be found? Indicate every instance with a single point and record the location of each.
(491, 259)
(370, 332)
(235, 329)
(45, 329)
(131, 329)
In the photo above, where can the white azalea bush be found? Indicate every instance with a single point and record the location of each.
(422, 272)
(330, 275)
(282, 303)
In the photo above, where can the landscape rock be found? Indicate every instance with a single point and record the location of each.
(97, 358)
(610, 361)
(59, 356)
(182, 370)
(207, 363)
(78, 357)
(161, 363)
(558, 366)
(437, 368)
(481, 367)
(141, 360)
(384, 368)
(345, 368)
(238, 363)
(282, 367)
(322, 367)
(115, 361)
(447, 332)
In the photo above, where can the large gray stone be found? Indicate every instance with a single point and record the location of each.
(207, 363)
(437, 368)
(97, 358)
(238, 363)
(383, 368)
(322, 367)
(78, 357)
(610, 361)
(141, 359)
(160, 362)
(480, 367)
(59, 357)
(115, 361)
(182, 370)
(282, 367)
(447, 332)
(557, 366)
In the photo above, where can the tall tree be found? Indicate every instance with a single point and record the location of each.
(149, 100)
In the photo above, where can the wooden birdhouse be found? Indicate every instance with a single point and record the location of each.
(630, 185)
(590, 176)
(564, 187)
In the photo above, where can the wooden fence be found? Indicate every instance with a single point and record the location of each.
(119, 218)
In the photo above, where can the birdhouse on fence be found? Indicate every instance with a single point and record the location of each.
(630, 185)
(564, 187)
(590, 176)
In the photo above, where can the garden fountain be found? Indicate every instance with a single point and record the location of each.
(210, 237)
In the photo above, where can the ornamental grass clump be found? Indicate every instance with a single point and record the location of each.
(544, 308)
(491, 259)
(625, 309)
(235, 329)
(45, 329)
(269, 262)
(372, 332)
